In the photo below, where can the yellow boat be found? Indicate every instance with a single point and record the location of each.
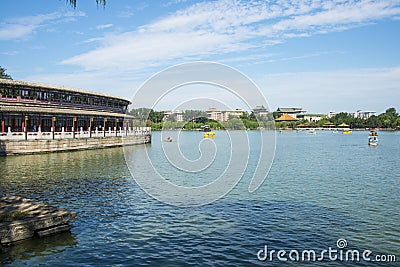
(346, 132)
(210, 135)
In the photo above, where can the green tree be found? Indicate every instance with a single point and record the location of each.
(189, 115)
(244, 116)
(397, 123)
(392, 112)
(215, 125)
(372, 122)
(252, 117)
(3, 74)
(156, 116)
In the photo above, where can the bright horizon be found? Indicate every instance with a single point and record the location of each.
(325, 56)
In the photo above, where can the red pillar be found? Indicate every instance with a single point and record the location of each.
(23, 124)
(2, 123)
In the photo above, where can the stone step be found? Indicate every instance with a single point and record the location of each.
(22, 218)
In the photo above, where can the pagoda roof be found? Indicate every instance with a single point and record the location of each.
(286, 117)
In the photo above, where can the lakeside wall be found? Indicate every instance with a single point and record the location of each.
(14, 147)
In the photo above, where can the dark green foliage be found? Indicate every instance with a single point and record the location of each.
(193, 119)
(156, 116)
(3, 74)
(389, 119)
(73, 2)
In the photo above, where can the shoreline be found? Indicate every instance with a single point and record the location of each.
(286, 129)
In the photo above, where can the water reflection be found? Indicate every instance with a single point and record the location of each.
(36, 248)
(68, 175)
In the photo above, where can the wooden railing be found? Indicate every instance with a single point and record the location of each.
(96, 133)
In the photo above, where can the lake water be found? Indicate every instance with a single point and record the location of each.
(320, 188)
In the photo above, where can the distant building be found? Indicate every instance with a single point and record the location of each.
(167, 113)
(293, 112)
(363, 114)
(331, 114)
(260, 111)
(177, 113)
(310, 117)
(223, 115)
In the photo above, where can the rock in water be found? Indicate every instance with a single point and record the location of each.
(22, 218)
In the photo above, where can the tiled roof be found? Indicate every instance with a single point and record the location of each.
(58, 88)
(286, 117)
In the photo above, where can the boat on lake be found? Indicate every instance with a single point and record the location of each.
(373, 138)
(312, 132)
(345, 128)
(210, 135)
(205, 128)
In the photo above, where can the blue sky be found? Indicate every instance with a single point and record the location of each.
(320, 55)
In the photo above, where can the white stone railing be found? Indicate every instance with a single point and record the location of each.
(96, 133)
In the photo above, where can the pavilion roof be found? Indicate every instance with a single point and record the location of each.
(286, 117)
(57, 88)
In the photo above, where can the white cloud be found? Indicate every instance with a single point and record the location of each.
(92, 40)
(129, 11)
(175, 2)
(104, 26)
(217, 28)
(10, 53)
(22, 27)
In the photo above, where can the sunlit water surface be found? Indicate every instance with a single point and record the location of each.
(320, 188)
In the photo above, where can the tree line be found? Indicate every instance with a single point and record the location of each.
(194, 119)
(390, 119)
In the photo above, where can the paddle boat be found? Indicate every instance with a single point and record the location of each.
(373, 138)
(210, 135)
(312, 131)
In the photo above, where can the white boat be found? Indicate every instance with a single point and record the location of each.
(312, 132)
